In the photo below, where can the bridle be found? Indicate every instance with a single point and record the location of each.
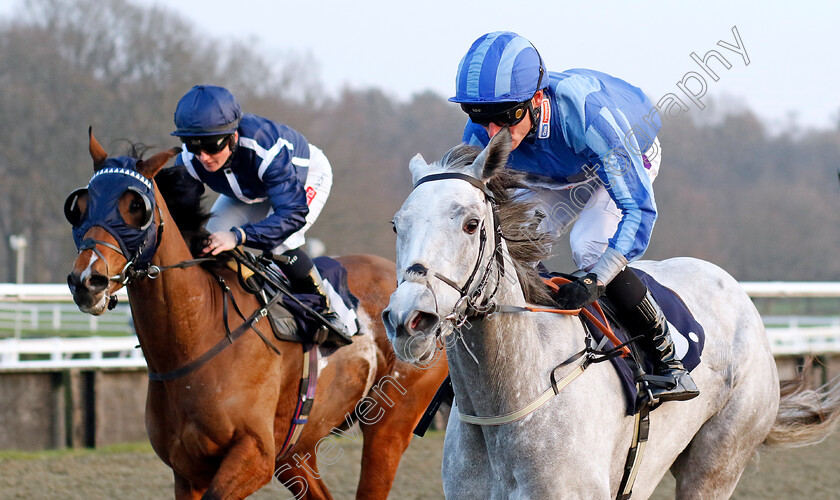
(130, 270)
(137, 245)
(469, 304)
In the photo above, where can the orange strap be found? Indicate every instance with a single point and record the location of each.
(554, 283)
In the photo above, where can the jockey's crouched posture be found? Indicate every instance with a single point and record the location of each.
(588, 143)
(272, 185)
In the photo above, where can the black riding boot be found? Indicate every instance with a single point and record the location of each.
(641, 315)
(336, 336)
(294, 264)
(657, 341)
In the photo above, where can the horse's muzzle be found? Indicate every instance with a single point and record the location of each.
(410, 324)
(89, 293)
(411, 321)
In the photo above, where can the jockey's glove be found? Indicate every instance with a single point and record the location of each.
(579, 292)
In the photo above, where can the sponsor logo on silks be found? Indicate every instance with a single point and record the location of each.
(544, 129)
(310, 194)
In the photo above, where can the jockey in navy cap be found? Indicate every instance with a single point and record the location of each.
(272, 182)
(588, 144)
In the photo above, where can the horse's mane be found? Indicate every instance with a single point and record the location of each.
(526, 245)
(183, 196)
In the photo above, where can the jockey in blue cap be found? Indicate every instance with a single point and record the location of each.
(272, 182)
(588, 144)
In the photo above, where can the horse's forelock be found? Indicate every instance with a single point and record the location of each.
(137, 150)
(459, 157)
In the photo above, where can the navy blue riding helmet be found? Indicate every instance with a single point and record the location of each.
(207, 110)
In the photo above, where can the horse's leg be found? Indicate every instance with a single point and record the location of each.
(465, 468)
(301, 477)
(711, 465)
(184, 490)
(403, 395)
(246, 467)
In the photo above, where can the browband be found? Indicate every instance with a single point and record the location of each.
(455, 175)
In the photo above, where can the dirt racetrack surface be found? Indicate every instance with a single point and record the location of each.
(135, 472)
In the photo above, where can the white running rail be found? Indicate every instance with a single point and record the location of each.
(64, 352)
(49, 307)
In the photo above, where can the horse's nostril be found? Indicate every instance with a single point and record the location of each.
(96, 283)
(419, 269)
(422, 322)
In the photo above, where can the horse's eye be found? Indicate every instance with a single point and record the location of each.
(136, 206)
(134, 209)
(394, 226)
(471, 226)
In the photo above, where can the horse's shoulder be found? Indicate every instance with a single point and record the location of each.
(363, 259)
(368, 267)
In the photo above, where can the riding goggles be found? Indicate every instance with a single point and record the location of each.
(209, 144)
(501, 114)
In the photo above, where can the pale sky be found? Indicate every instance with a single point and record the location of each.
(408, 47)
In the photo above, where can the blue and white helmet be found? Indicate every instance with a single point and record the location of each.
(499, 67)
(207, 110)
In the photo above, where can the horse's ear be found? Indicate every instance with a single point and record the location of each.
(96, 151)
(494, 157)
(149, 168)
(417, 166)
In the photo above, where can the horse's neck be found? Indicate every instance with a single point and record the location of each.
(170, 311)
(496, 363)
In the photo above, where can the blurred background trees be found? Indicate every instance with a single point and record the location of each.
(761, 205)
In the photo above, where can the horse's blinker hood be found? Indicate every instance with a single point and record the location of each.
(108, 184)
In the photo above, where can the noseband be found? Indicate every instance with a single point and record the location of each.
(130, 270)
(468, 304)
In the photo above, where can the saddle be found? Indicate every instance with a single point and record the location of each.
(688, 335)
(295, 317)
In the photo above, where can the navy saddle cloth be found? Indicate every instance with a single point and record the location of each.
(687, 333)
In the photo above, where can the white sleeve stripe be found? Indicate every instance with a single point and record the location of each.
(300, 162)
(270, 155)
(267, 155)
(252, 144)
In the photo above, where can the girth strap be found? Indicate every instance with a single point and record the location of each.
(641, 429)
(306, 399)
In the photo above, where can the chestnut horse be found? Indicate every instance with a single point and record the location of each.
(220, 426)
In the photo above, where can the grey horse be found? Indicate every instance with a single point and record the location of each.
(463, 285)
